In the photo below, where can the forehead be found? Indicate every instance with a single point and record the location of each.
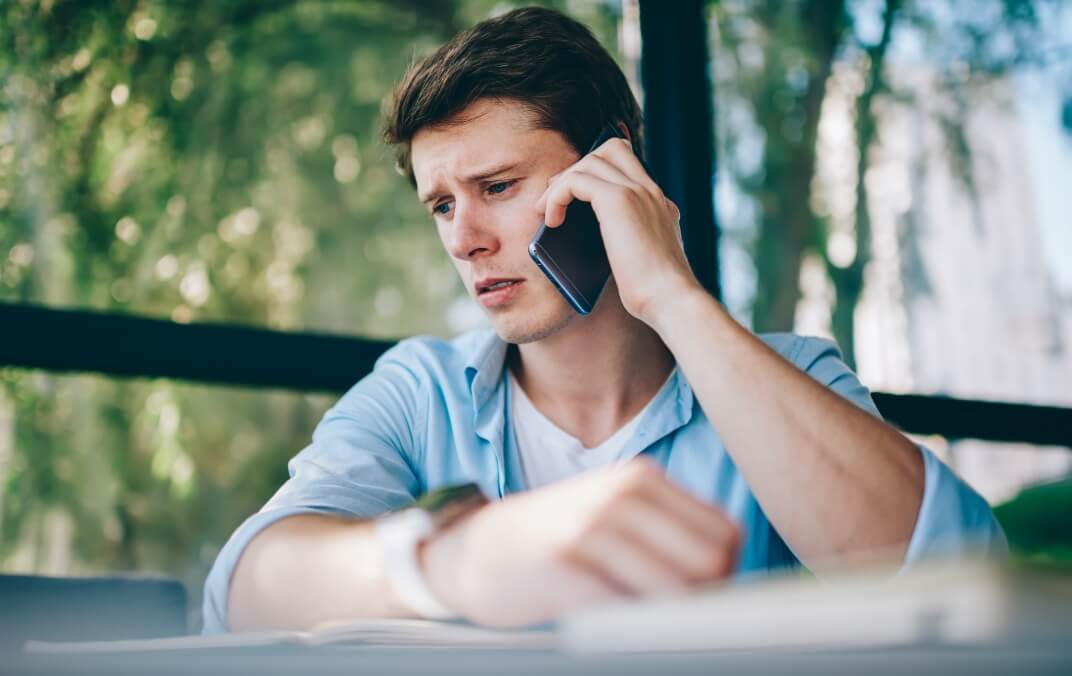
(485, 134)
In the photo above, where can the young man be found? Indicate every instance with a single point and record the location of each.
(648, 447)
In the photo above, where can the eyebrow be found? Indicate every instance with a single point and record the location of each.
(481, 175)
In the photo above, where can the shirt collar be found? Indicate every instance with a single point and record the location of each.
(671, 410)
(484, 369)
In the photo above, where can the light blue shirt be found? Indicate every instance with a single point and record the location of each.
(435, 413)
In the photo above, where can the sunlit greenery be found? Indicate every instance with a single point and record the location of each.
(199, 161)
(220, 160)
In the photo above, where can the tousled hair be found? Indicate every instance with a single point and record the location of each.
(541, 58)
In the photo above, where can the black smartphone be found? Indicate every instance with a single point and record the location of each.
(572, 255)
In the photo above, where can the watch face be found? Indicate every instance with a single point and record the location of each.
(447, 504)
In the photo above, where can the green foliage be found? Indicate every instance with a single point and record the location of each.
(1037, 524)
(198, 161)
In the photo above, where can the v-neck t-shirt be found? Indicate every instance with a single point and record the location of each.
(548, 453)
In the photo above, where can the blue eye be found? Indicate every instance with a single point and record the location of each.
(500, 187)
(439, 208)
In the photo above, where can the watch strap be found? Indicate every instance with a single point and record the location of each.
(398, 535)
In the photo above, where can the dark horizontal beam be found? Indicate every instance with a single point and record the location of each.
(120, 345)
(973, 419)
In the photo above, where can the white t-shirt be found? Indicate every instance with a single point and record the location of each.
(548, 454)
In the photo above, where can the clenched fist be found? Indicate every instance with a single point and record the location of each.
(623, 531)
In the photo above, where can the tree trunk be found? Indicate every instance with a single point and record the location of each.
(849, 281)
(788, 227)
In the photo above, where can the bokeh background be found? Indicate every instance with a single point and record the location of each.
(893, 174)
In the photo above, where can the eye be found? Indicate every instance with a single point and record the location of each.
(500, 187)
(441, 209)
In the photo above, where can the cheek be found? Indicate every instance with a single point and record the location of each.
(460, 268)
(520, 215)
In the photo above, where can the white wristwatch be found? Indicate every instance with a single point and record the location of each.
(400, 533)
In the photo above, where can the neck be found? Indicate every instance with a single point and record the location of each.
(596, 374)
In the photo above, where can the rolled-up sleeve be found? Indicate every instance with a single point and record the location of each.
(361, 463)
(953, 519)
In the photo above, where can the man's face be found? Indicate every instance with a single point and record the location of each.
(480, 177)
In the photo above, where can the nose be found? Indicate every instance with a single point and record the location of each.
(469, 232)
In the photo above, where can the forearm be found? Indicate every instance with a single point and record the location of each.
(308, 569)
(834, 481)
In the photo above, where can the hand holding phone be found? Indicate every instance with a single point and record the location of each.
(573, 255)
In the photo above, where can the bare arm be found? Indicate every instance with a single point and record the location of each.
(308, 569)
(835, 481)
(529, 558)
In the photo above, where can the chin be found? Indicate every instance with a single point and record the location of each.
(520, 330)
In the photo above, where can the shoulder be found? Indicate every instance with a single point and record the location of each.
(821, 359)
(400, 387)
(432, 357)
(805, 352)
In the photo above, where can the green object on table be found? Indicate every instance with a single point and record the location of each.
(1038, 522)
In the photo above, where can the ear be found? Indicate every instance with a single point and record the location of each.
(624, 128)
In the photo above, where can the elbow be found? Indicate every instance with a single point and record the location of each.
(953, 520)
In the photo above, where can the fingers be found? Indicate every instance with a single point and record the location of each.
(653, 537)
(695, 555)
(673, 207)
(630, 566)
(607, 171)
(706, 520)
(706, 542)
(619, 152)
(559, 192)
(575, 184)
(612, 163)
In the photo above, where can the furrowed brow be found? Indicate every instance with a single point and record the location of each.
(476, 177)
(485, 174)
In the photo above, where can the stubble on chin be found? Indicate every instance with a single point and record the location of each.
(528, 331)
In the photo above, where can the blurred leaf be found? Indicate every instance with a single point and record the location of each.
(1036, 522)
(199, 161)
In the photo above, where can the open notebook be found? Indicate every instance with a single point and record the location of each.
(415, 633)
(961, 602)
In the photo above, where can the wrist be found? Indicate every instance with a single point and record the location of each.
(680, 307)
(439, 560)
(401, 536)
(405, 538)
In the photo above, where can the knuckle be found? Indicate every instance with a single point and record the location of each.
(561, 182)
(640, 474)
(735, 533)
(707, 563)
(725, 559)
(626, 500)
(585, 530)
(566, 550)
(715, 559)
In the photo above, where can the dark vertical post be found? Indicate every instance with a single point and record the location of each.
(678, 123)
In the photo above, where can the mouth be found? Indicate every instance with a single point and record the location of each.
(493, 292)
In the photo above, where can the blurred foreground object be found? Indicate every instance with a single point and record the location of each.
(90, 608)
(956, 603)
(1037, 522)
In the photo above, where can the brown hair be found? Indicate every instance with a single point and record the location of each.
(539, 57)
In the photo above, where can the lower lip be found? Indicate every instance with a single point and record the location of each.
(499, 296)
